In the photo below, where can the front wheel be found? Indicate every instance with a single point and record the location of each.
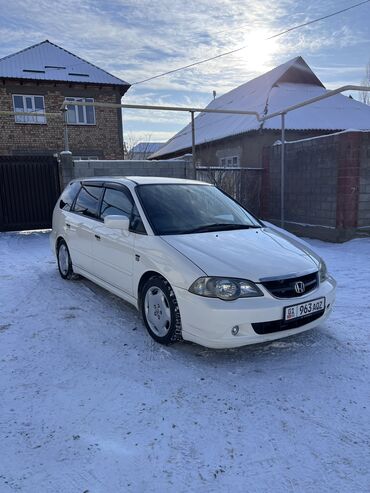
(160, 311)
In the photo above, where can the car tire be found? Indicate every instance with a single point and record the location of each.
(160, 311)
(64, 261)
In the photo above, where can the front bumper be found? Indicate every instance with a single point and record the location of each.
(208, 321)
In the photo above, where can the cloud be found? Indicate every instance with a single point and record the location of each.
(136, 39)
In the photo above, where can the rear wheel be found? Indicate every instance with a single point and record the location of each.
(64, 261)
(160, 311)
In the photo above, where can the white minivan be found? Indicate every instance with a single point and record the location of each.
(195, 263)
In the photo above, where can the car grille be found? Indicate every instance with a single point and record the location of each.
(278, 325)
(284, 288)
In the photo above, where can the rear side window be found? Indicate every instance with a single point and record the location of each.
(115, 202)
(68, 196)
(87, 202)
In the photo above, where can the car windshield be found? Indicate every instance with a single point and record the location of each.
(186, 208)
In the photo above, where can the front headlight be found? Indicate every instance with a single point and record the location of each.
(224, 288)
(323, 271)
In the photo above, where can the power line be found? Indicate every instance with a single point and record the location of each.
(243, 47)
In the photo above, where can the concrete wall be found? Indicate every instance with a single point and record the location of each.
(364, 185)
(174, 168)
(310, 182)
(104, 139)
(327, 185)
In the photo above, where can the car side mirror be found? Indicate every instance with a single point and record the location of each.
(117, 222)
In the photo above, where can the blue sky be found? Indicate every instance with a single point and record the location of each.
(136, 39)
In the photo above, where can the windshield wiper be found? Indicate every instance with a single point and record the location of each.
(218, 227)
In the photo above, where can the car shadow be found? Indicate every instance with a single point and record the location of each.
(306, 345)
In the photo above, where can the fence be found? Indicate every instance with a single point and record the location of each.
(174, 168)
(29, 188)
(244, 184)
(327, 186)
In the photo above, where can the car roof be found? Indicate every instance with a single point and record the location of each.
(144, 180)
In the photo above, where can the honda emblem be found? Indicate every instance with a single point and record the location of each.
(299, 287)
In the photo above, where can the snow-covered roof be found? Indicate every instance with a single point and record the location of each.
(283, 86)
(48, 61)
(147, 147)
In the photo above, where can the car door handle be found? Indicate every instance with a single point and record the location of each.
(68, 225)
(97, 237)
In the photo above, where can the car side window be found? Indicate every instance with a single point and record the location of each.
(120, 202)
(115, 202)
(68, 196)
(87, 202)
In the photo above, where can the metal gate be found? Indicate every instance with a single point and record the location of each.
(244, 184)
(29, 188)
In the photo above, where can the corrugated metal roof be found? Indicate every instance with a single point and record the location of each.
(283, 86)
(335, 113)
(147, 147)
(48, 61)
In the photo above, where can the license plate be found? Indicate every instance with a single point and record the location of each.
(304, 309)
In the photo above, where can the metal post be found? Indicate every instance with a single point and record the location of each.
(193, 141)
(282, 172)
(66, 142)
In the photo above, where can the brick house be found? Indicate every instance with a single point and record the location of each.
(37, 80)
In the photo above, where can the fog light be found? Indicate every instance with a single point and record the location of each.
(235, 330)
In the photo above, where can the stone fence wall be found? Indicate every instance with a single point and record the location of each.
(327, 183)
(174, 168)
(327, 186)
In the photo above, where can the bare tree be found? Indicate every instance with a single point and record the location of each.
(131, 140)
(365, 95)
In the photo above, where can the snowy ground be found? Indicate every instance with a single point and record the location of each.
(88, 403)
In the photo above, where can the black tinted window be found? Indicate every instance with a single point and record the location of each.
(87, 202)
(116, 202)
(136, 224)
(119, 202)
(68, 196)
(188, 208)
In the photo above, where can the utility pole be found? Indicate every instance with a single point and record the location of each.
(193, 141)
(66, 142)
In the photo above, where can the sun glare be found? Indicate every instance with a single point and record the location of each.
(259, 50)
